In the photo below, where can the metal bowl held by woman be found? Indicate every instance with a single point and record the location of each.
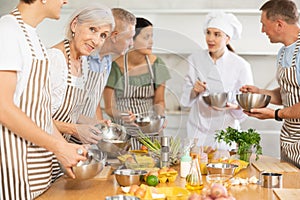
(150, 124)
(115, 140)
(217, 100)
(250, 100)
(91, 167)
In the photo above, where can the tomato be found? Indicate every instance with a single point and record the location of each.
(143, 147)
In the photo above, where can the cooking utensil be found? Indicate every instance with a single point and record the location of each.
(121, 197)
(127, 177)
(221, 168)
(206, 92)
(250, 100)
(271, 180)
(218, 100)
(150, 124)
(91, 167)
(115, 139)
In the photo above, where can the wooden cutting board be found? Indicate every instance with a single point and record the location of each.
(275, 167)
(104, 174)
(287, 194)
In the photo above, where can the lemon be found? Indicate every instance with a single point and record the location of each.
(152, 180)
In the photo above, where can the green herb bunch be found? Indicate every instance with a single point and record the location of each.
(246, 140)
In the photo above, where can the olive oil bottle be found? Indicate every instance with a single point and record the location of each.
(194, 178)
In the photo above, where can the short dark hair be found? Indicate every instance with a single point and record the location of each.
(140, 24)
(283, 9)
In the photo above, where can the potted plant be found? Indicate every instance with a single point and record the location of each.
(247, 141)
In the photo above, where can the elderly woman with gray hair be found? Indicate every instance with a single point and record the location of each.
(219, 69)
(87, 29)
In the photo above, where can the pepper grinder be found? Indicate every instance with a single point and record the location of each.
(165, 151)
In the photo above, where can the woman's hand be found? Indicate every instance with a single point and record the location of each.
(199, 87)
(249, 88)
(128, 117)
(69, 155)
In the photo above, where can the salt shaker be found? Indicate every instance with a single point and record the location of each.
(165, 151)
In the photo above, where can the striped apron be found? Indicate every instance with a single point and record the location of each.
(71, 107)
(94, 87)
(26, 169)
(290, 95)
(138, 99)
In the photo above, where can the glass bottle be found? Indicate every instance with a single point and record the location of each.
(194, 178)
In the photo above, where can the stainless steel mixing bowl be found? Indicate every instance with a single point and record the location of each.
(217, 100)
(250, 100)
(127, 177)
(91, 167)
(115, 140)
(150, 124)
(221, 168)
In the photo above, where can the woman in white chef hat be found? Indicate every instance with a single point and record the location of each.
(216, 69)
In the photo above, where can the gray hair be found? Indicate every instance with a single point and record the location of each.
(123, 19)
(96, 15)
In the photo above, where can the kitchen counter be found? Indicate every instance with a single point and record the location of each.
(93, 189)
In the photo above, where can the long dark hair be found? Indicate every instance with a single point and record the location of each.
(230, 48)
(140, 24)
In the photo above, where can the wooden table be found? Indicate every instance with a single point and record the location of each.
(98, 189)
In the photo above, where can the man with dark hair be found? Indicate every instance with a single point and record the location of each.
(279, 20)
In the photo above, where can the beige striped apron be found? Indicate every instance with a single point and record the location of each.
(94, 88)
(72, 104)
(290, 95)
(138, 99)
(27, 169)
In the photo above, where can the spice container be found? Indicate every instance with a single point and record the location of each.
(185, 165)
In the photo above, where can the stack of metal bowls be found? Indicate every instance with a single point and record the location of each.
(115, 140)
(217, 100)
(250, 100)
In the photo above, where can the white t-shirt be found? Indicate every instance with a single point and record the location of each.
(228, 74)
(16, 56)
(59, 75)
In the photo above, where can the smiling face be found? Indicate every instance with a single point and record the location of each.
(269, 28)
(216, 41)
(88, 37)
(143, 42)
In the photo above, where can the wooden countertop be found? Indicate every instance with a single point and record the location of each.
(93, 189)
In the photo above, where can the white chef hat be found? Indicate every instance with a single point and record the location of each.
(227, 23)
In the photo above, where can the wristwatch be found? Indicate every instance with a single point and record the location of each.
(277, 118)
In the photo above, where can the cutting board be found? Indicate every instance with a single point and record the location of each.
(275, 167)
(104, 174)
(287, 194)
